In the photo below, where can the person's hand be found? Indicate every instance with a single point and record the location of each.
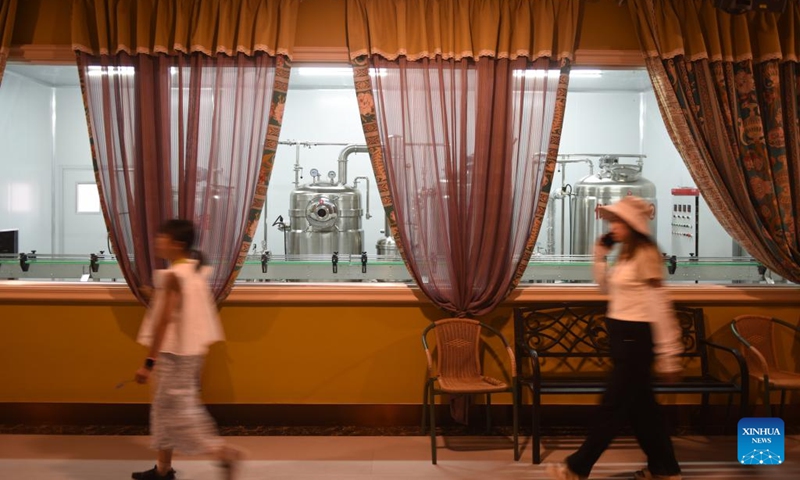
(142, 375)
(600, 249)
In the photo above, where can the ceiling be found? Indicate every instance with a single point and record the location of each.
(338, 77)
(51, 75)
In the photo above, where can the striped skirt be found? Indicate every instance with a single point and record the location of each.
(178, 418)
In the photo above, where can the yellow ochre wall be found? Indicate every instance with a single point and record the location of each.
(273, 354)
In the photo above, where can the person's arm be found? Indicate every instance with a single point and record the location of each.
(600, 266)
(172, 294)
(667, 343)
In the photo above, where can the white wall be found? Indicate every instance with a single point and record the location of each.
(26, 159)
(72, 133)
(45, 141)
(76, 233)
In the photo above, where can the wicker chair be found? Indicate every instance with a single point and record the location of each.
(458, 343)
(757, 333)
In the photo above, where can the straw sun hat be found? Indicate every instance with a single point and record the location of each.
(632, 210)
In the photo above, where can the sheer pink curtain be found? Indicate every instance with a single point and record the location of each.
(181, 136)
(463, 153)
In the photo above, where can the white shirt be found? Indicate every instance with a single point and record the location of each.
(632, 298)
(629, 289)
(194, 324)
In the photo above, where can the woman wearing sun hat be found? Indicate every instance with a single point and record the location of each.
(642, 330)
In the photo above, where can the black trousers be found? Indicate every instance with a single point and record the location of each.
(629, 397)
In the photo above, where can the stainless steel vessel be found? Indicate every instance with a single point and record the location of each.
(325, 216)
(386, 246)
(613, 182)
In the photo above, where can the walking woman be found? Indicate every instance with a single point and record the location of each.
(642, 330)
(180, 325)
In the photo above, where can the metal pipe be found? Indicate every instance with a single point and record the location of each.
(355, 185)
(562, 195)
(587, 161)
(297, 167)
(631, 155)
(346, 152)
(297, 145)
(551, 228)
(264, 214)
(563, 221)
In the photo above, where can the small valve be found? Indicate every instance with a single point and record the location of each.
(265, 258)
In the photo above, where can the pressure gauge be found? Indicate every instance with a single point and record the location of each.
(331, 174)
(314, 172)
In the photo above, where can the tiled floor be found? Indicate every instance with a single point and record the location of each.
(47, 457)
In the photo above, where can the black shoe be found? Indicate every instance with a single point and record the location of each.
(152, 474)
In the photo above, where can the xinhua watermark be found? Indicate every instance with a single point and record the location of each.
(761, 441)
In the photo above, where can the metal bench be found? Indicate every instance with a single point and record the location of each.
(563, 349)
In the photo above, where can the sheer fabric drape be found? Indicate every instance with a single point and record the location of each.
(181, 136)
(463, 153)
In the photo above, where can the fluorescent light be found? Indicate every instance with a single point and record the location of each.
(586, 73)
(325, 72)
(535, 73)
(555, 73)
(335, 72)
(95, 71)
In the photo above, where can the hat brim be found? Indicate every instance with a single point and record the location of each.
(623, 213)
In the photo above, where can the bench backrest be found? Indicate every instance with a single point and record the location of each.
(575, 336)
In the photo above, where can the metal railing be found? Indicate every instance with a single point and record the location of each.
(376, 268)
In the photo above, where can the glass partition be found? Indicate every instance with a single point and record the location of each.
(323, 199)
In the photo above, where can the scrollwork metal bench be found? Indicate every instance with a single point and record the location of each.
(563, 349)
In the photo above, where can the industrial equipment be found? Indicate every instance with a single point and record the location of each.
(613, 182)
(325, 215)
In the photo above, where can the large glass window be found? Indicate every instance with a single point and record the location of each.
(322, 197)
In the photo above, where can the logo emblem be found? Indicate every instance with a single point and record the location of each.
(761, 441)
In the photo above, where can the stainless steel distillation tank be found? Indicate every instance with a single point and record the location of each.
(613, 182)
(386, 246)
(325, 215)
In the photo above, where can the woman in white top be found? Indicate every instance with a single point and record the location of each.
(642, 330)
(180, 325)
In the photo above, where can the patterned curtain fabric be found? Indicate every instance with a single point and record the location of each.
(463, 145)
(8, 10)
(183, 132)
(107, 27)
(732, 112)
